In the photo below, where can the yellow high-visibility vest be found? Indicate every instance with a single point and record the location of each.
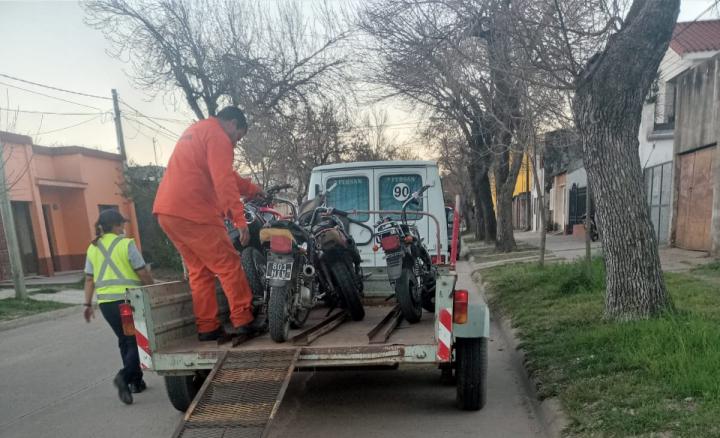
(112, 271)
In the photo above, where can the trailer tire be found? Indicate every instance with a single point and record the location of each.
(279, 313)
(181, 390)
(253, 263)
(348, 291)
(408, 296)
(471, 373)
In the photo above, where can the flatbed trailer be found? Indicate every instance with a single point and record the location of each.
(231, 390)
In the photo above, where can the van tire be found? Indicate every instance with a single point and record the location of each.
(181, 390)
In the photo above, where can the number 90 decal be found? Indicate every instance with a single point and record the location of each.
(401, 192)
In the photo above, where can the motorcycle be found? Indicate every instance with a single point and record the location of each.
(409, 266)
(334, 254)
(292, 287)
(258, 213)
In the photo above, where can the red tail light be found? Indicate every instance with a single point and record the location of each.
(437, 260)
(390, 243)
(126, 317)
(460, 306)
(280, 245)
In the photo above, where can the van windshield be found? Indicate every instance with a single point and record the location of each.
(394, 190)
(351, 193)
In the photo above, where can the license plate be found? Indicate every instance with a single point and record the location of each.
(279, 270)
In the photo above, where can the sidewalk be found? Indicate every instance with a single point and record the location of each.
(560, 247)
(67, 296)
(60, 278)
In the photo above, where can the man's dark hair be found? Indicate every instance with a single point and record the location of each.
(233, 113)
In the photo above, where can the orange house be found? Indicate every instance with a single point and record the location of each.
(57, 194)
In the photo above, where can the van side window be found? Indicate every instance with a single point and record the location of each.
(351, 193)
(394, 190)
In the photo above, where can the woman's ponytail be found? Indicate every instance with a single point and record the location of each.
(108, 220)
(98, 232)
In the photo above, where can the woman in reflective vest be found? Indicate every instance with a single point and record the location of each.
(113, 265)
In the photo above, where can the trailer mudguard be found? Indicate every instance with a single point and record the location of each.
(478, 322)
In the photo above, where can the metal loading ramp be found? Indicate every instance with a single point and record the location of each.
(241, 395)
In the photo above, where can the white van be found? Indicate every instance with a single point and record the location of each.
(384, 185)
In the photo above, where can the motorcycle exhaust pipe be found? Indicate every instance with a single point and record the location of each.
(308, 270)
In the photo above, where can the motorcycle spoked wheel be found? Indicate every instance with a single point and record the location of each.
(254, 264)
(408, 295)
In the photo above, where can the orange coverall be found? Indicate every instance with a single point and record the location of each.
(198, 190)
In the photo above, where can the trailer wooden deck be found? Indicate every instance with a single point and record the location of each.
(348, 334)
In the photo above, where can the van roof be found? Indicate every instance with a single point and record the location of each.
(370, 164)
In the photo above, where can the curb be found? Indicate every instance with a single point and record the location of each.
(39, 317)
(549, 412)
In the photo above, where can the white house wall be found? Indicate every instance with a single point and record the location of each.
(577, 176)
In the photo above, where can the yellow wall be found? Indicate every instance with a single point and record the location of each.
(524, 181)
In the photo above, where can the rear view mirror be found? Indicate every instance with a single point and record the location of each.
(317, 189)
(331, 188)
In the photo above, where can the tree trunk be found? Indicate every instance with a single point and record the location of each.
(506, 173)
(505, 241)
(609, 96)
(588, 229)
(485, 212)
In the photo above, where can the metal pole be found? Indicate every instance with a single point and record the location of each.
(10, 235)
(155, 151)
(118, 128)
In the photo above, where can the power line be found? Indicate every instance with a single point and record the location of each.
(150, 119)
(51, 97)
(10, 110)
(70, 126)
(55, 88)
(157, 131)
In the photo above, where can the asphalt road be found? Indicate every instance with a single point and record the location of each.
(56, 382)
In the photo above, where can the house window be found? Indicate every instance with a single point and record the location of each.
(665, 107)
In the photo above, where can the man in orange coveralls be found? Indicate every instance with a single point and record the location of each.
(200, 189)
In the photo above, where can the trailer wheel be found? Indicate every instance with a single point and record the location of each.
(471, 373)
(279, 313)
(181, 390)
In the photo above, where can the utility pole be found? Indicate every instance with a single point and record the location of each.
(10, 236)
(155, 150)
(118, 127)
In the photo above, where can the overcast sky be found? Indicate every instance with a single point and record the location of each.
(47, 42)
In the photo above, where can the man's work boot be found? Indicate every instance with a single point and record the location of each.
(254, 328)
(138, 387)
(123, 389)
(211, 336)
